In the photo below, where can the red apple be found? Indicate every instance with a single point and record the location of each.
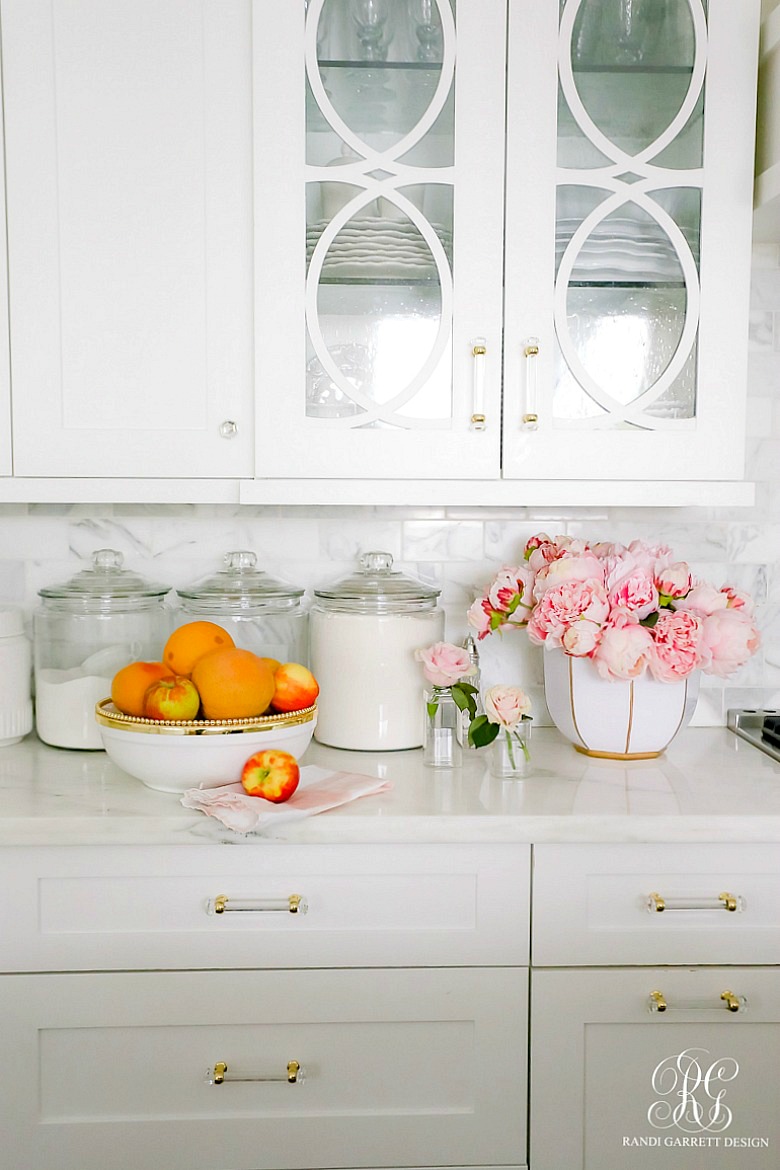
(295, 687)
(174, 698)
(272, 774)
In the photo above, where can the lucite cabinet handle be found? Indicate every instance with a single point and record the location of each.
(656, 1002)
(218, 1075)
(222, 904)
(478, 352)
(725, 901)
(530, 416)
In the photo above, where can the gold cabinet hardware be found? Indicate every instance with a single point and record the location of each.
(292, 904)
(292, 1075)
(478, 420)
(724, 901)
(529, 417)
(656, 1002)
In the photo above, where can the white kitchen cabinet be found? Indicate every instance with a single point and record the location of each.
(5, 356)
(690, 1086)
(655, 1066)
(395, 1068)
(625, 256)
(399, 987)
(129, 182)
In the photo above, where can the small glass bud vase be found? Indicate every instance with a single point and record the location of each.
(441, 742)
(510, 754)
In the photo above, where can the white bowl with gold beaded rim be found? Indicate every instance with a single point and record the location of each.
(197, 753)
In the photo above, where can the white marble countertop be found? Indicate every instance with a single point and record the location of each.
(709, 786)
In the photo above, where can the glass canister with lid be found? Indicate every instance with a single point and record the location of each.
(260, 612)
(365, 629)
(84, 631)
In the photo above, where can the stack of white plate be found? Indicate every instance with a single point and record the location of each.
(378, 248)
(621, 249)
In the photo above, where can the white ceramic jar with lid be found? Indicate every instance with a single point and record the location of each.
(85, 630)
(261, 613)
(16, 709)
(365, 629)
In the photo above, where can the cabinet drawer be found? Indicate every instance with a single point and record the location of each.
(98, 908)
(691, 1087)
(400, 1068)
(601, 904)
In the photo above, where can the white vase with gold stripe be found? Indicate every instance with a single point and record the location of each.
(633, 719)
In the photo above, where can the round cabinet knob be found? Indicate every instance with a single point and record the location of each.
(228, 429)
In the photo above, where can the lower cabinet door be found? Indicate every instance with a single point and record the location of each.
(252, 1070)
(655, 1069)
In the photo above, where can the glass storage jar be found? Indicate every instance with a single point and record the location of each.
(260, 612)
(365, 629)
(84, 631)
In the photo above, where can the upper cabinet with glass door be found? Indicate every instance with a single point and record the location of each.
(630, 152)
(379, 238)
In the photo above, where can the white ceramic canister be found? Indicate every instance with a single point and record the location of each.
(261, 613)
(16, 709)
(85, 630)
(364, 631)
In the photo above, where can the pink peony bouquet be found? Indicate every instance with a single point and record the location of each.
(628, 609)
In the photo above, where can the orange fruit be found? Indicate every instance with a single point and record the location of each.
(129, 685)
(190, 642)
(272, 663)
(233, 683)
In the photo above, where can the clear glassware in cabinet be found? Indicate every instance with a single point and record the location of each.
(632, 337)
(394, 206)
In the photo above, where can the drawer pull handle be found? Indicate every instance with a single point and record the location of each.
(293, 1075)
(725, 901)
(656, 1002)
(478, 352)
(294, 904)
(529, 420)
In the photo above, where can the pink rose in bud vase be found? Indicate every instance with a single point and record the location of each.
(507, 706)
(444, 664)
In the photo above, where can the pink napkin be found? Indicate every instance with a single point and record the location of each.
(318, 790)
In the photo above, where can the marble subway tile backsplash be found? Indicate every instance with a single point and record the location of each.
(458, 549)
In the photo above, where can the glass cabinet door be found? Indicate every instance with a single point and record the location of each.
(627, 365)
(381, 341)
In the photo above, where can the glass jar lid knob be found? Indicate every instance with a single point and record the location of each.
(376, 562)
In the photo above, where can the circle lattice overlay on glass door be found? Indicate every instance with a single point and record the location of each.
(377, 172)
(627, 178)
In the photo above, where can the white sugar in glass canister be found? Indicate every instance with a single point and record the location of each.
(364, 631)
(16, 709)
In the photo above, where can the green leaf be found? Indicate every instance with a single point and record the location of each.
(481, 732)
(463, 699)
(650, 620)
(432, 708)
